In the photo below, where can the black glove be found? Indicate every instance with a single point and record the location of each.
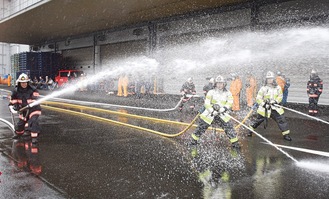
(216, 107)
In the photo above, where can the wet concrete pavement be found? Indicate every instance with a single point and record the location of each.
(79, 157)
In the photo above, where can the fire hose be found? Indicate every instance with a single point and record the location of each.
(292, 110)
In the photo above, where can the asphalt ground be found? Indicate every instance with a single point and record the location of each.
(83, 157)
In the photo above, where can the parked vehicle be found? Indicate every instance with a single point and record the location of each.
(64, 76)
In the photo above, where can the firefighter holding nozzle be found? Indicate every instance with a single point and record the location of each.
(268, 98)
(217, 103)
(22, 96)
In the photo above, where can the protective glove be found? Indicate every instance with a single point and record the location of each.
(222, 109)
(272, 102)
(12, 110)
(267, 106)
(214, 113)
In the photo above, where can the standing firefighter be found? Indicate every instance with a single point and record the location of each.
(267, 98)
(218, 101)
(280, 80)
(23, 95)
(235, 89)
(314, 90)
(250, 89)
(208, 86)
(188, 88)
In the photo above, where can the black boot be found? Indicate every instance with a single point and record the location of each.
(26, 134)
(17, 136)
(34, 140)
(249, 134)
(287, 137)
(236, 145)
(193, 142)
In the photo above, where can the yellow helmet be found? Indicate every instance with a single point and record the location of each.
(23, 78)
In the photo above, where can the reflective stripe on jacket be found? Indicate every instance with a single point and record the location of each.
(268, 93)
(223, 98)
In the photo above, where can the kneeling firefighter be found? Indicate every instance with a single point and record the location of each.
(218, 101)
(23, 95)
(268, 97)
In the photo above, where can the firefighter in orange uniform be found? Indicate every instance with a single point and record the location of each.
(280, 81)
(235, 89)
(251, 89)
(123, 85)
(9, 80)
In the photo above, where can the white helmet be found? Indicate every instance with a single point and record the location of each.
(314, 71)
(190, 80)
(269, 75)
(220, 79)
(23, 78)
(279, 73)
(212, 80)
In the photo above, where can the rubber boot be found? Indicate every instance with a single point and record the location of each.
(17, 136)
(287, 137)
(236, 145)
(34, 140)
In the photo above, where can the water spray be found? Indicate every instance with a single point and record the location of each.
(266, 140)
(292, 110)
(139, 64)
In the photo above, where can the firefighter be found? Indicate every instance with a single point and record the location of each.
(123, 85)
(208, 86)
(188, 88)
(314, 90)
(267, 98)
(218, 101)
(23, 95)
(250, 89)
(280, 80)
(235, 89)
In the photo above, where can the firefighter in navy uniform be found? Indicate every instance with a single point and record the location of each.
(208, 86)
(267, 98)
(218, 101)
(23, 95)
(314, 90)
(188, 88)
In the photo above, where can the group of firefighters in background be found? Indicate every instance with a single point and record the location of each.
(269, 98)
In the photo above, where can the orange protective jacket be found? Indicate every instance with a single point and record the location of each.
(235, 89)
(251, 90)
(281, 82)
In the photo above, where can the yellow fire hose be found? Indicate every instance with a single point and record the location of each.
(122, 123)
(129, 115)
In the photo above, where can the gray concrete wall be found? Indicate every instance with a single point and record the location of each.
(184, 45)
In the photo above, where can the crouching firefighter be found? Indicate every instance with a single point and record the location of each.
(218, 101)
(23, 95)
(267, 98)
